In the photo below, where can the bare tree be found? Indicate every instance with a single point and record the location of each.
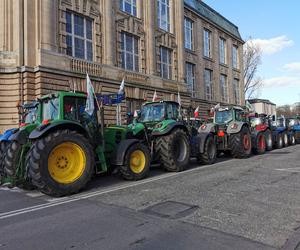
(252, 59)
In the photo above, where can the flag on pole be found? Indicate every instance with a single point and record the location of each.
(90, 102)
(179, 98)
(154, 99)
(196, 112)
(122, 86)
(249, 106)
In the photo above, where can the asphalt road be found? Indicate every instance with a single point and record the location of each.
(233, 204)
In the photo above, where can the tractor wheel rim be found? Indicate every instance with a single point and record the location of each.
(137, 161)
(211, 150)
(246, 142)
(180, 150)
(262, 143)
(66, 163)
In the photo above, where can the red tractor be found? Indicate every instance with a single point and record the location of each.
(261, 135)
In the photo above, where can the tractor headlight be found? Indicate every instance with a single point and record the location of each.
(234, 126)
(158, 125)
(203, 127)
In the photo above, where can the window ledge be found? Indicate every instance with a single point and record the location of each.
(190, 51)
(236, 70)
(124, 13)
(208, 59)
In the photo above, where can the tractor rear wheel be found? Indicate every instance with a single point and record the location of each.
(61, 163)
(209, 155)
(137, 163)
(260, 144)
(240, 143)
(285, 139)
(279, 142)
(3, 148)
(174, 150)
(269, 140)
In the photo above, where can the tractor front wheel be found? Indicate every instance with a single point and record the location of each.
(11, 159)
(240, 144)
(3, 148)
(285, 139)
(279, 142)
(260, 144)
(269, 140)
(209, 155)
(292, 140)
(61, 163)
(137, 163)
(174, 150)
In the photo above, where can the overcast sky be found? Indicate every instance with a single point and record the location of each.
(275, 26)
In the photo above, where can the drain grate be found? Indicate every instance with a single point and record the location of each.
(171, 209)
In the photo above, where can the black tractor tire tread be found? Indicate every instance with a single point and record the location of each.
(285, 143)
(237, 148)
(11, 159)
(165, 152)
(268, 133)
(37, 155)
(256, 149)
(125, 170)
(3, 149)
(205, 158)
(279, 142)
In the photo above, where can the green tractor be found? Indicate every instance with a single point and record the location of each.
(19, 144)
(170, 139)
(231, 131)
(70, 146)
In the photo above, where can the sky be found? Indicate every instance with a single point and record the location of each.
(275, 26)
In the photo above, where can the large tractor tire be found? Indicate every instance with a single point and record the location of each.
(269, 140)
(285, 138)
(174, 150)
(11, 159)
(137, 163)
(240, 144)
(3, 148)
(260, 144)
(279, 142)
(292, 139)
(209, 155)
(61, 163)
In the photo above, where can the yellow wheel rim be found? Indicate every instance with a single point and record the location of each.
(137, 161)
(66, 163)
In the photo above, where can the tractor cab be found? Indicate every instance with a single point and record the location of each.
(29, 113)
(223, 116)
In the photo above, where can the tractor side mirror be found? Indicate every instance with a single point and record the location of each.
(273, 118)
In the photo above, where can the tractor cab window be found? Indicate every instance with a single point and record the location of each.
(294, 122)
(254, 121)
(280, 123)
(172, 111)
(152, 112)
(50, 109)
(223, 116)
(73, 108)
(30, 115)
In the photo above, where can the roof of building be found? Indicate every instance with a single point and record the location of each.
(256, 100)
(207, 12)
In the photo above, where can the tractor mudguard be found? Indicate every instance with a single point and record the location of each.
(7, 134)
(235, 127)
(118, 155)
(43, 130)
(20, 136)
(207, 128)
(170, 128)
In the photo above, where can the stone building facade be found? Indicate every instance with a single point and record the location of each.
(162, 45)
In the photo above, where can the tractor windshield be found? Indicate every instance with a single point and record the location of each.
(50, 109)
(152, 112)
(294, 122)
(254, 121)
(223, 116)
(30, 115)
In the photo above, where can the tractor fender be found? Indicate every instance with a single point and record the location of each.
(20, 136)
(8, 133)
(170, 128)
(118, 155)
(207, 128)
(44, 130)
(235, 127)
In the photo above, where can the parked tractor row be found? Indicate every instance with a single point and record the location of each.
(60, 146)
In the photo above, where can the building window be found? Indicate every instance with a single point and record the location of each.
(236, 91)
(163, 14)
(79, 36)
(190, 77)
(188, 32)
(128, 6)
(235, 58)
(222, 50)
(207, 43)
(129, 52)
(165, 63)
(208, 84)
(224, 88)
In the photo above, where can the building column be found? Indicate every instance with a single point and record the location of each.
(179, 32)
(108, 32)
(149, 13)
(48, 21)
